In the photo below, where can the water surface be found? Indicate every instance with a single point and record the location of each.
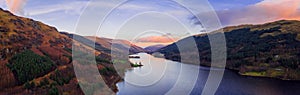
(158, 76)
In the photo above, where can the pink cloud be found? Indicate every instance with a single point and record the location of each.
(282, 9)
(264, 11)
(16, 6)
(156, 39)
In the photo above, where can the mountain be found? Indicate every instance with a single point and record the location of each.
(107, 46)
(265, 50)
(37, 59)
(18, 34)
(121, 46)
(153, 48)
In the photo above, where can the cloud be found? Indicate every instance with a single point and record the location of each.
(68, 7)
(282, 9)
(156, 39)
(2, 3)
(76, 7)
(16, 6)
(261, 12)
(182, 13)
(131, 7)
(264, 11)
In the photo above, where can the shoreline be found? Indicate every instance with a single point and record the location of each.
(240, 74)
(120, 79)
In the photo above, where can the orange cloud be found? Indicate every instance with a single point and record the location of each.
(16, 6)
(262, 12)
(156, 39)
(282, 9)
(143, 45)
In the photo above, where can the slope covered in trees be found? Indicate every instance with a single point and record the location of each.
(37, 59)
(28, 65)
(266, 50)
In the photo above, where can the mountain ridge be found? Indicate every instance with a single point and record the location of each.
(26, 43)
(265, 50)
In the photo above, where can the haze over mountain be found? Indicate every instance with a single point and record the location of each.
(266, 50)
(153, 48)
(106, 45)
(121, 46)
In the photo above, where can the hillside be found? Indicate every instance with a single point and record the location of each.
(36, 59)
(266, 50)
(107, 46)
(117, 45)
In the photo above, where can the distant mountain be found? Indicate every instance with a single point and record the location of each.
(36, 59)
(105, 45)
(266, 50)
(122, 46)
(153, 48)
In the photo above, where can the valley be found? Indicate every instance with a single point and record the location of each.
(36, 58)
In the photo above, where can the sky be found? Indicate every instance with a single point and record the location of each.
(149, 22)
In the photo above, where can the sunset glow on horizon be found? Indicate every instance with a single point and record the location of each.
(154, 40)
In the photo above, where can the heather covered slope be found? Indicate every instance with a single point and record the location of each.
(36, 59)
(18, 34)
(266, 50)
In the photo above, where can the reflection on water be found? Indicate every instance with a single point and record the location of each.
(158, 76)
(150, 73)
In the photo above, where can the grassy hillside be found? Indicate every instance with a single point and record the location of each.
(266, 50)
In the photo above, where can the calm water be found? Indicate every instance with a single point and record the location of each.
(159, 76)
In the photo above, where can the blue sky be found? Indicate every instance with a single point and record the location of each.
(232, 4)
(161, 17)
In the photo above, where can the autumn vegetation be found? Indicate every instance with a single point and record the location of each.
(28, 65)
(266, 50)
(37, 59)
